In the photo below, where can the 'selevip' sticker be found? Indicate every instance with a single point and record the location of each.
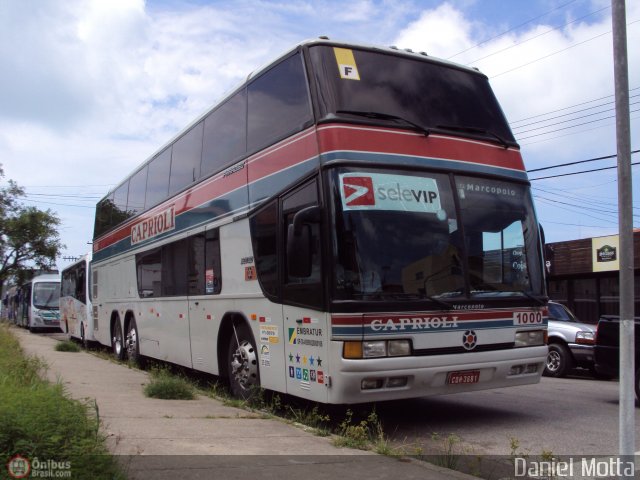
(380, 191)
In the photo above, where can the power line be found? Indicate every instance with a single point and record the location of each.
(570, 119)
(576, 163)
(591, 209)
(512, 29)
(580, 213)
(65, 186)
(539, 35)
(571, 106)
(88, 196)
(573, 224)
(580, 198)
(577, 173)
(59, 204)
(573, 126)
(551, 54)
(558, 51)
(570, 134)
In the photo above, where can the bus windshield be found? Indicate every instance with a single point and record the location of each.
(46, 295)
(422, 92)
(432, 236)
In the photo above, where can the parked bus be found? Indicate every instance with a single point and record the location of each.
(76, 317)
(38, 303)
(351, 224)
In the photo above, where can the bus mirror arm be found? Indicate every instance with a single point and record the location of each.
(304, 216)
(299, 242)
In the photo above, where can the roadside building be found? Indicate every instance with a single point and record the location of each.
(584, 275)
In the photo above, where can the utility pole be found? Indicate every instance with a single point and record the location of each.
(625, 212)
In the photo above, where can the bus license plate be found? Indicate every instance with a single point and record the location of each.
(468, 376)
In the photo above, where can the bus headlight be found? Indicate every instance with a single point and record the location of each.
(376, 349)
(399, 348)
(530, 338)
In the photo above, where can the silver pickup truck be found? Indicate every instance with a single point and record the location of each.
(570, 342)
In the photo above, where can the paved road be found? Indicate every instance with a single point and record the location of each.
(569, 416)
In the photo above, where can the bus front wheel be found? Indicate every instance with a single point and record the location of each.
(244, 375)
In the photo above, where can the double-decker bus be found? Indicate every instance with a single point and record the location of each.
(351, 224)
(76, 317)
(38, 303)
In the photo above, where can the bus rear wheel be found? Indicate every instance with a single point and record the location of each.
(117, 340)
(83, 337)
(244, 375)
(132, 343)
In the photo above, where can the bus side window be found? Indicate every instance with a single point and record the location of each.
(264, 234)
(80, 293)
(175, 269)
(282, 89)
(305, 291)
(213, 271)
(149, 273)
(94, 284)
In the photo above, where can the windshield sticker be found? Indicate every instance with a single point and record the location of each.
(379, 191)
(480, 188)
(346, 64)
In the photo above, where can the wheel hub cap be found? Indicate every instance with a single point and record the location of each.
(131, 342)
(553, 361)
(244, 365)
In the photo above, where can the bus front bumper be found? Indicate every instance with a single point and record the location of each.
(373, 380)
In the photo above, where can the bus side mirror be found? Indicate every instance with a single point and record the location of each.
(299, 242)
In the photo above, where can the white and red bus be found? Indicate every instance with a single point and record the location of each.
(351, 224)
(76, 317)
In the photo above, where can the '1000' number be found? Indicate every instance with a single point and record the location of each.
(527, 318)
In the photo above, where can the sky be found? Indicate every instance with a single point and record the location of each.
(92, 88)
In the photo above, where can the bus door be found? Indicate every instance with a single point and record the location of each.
(204, 286)
(306, 334)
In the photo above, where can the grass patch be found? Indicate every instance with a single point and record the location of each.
(67, 346)
(39, 421)
(168, 386)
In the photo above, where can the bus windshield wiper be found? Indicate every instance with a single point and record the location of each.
(387, 116)
(405, 296)
(538, 300)
(503, 293)
(481, 131)
(442, 303)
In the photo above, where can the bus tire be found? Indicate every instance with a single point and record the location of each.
(132, 343)
(117, 340)
(83, 337)
(242, 363)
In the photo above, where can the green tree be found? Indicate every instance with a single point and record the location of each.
(28, 236)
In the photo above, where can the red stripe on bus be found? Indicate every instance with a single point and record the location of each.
(381, 140)
(304, 145)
